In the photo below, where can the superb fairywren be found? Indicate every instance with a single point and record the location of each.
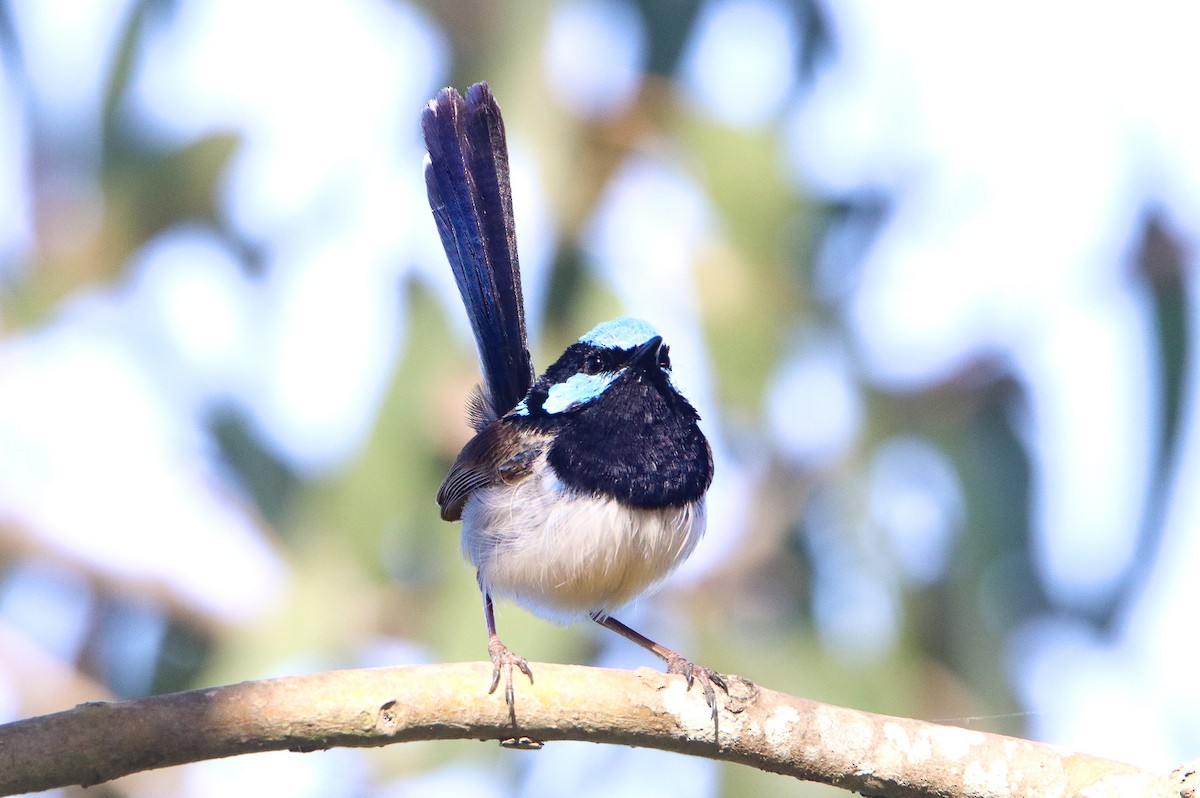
(583, 488)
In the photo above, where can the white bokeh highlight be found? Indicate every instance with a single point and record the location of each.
(741, 62)
(814, 410)
(16, 235)
(915, 501)
(595, 51)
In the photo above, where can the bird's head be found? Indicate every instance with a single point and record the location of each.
(619, 351)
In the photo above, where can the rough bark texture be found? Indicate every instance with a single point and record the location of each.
(860, 751)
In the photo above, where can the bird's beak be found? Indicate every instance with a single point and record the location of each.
(647, 354)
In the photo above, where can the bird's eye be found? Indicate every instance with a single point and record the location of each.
(664, 357)
(593, 364)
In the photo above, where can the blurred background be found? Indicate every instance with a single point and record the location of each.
(927, 270)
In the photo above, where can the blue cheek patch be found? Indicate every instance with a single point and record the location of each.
(623, 333)
(576, 390)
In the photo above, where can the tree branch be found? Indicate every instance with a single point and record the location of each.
(859, 751)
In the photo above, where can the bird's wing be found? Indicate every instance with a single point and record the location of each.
(466, 176)
(497, 455)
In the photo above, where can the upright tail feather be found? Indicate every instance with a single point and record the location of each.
(466, 175)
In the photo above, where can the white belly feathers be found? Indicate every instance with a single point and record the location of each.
(566, 555)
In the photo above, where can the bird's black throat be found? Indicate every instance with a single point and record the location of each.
(638, 443)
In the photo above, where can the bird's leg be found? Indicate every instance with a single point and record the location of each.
(676, 663)
(502, 659)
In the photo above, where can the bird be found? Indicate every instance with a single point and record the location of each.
(582, 488)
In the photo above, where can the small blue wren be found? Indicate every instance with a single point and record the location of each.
(582, 488)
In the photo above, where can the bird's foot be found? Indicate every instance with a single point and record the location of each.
(698, 673)
(503, 661)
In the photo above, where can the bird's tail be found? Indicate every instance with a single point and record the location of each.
(466, 174)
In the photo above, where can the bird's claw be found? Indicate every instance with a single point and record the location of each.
(698, 673)
(503, 660)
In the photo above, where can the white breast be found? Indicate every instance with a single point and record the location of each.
(565, 556)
